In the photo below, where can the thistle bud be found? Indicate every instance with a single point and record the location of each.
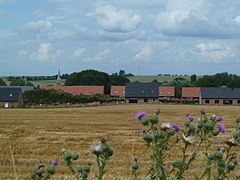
(144, 121)
(75, 156)
(238, 120)
(230, 166)
(67, 156)
(51, 169)
(153, 119)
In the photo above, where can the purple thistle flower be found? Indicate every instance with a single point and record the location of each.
(190, 118)
(139, 115)
(221, 149)
(219, 118)
(222, 128)
(176, 127)
(55, 162)
(163, 168)
(144, 130)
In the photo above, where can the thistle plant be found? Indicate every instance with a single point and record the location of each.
(80, 173)
(157, 138)
(135, 167)
(41, 174)
(103, 153)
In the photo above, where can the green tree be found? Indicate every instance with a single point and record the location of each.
(222, 79)
(90, 77)
(118, 80)
(234, 82)
(207, 81)
(20, 82)
(2, 82)
(193, 78)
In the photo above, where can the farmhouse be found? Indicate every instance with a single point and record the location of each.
(142, 93)
(191, 93)
(219, 96)
(118, 91)
(166, 92)
(77, 90)
(11, 97)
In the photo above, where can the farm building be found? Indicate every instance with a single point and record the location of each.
(23, 88)
(118, 91)
(142, 93)
(191, 93)
(219, 96)
(77, 90)
(166, 92)
(11, 97)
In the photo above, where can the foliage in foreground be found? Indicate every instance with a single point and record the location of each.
(199, 135)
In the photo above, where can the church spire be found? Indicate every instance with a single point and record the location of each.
(59, 80)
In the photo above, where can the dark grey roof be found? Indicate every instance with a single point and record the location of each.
(142, 90)
(23, 88)
(10, 94)
(220, 93)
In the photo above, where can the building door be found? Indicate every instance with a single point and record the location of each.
(145, 100)
(6, 105)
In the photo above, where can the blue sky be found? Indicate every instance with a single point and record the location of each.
(159, 36)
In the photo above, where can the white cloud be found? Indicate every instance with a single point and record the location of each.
(145, 53)
(38, 26)
(102, 54)
(214, 52)
(23, 53)
(43, 52)
(116, 20)
(79, 52)
(236, 20)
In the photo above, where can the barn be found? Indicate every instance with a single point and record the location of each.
(11, 97)
(219, 96)
(142, 93)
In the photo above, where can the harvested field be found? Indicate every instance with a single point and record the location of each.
(38, 135)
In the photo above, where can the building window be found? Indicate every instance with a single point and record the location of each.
(238, 101)
(168, 92)
(227, 101)
(216, 101)
(90, 92)
(81, 92)
(160, 92)
(116, 92)
(97, 92)
(10, 95)
(123, 92)
(152, 91)
(142, 91)
(207, 101)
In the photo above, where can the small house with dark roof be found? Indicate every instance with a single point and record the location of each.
(219, 96)
(11, 97)
(142, 93)
(23, 88)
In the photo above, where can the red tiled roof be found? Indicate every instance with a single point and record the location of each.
(118, 90)
(166, 91)
(191, 92)
(77, 90)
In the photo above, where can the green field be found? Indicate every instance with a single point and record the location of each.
(158, 78)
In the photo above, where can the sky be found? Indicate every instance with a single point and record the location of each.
(143, 37)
